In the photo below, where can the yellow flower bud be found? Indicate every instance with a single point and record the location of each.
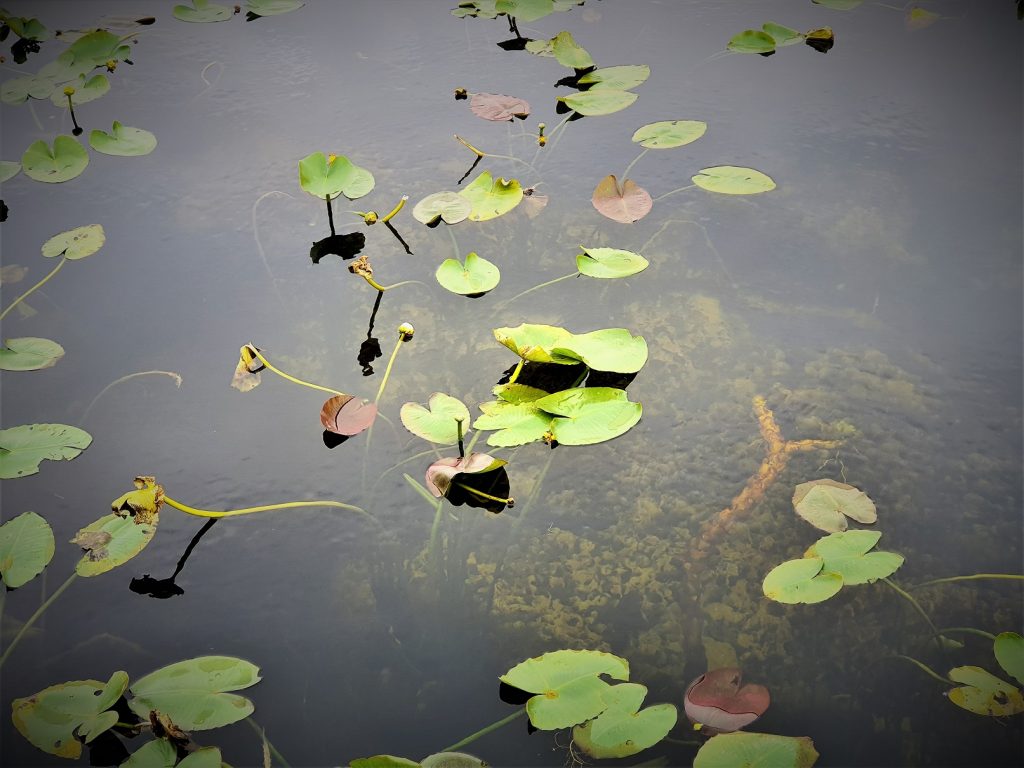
(69, 91)
(405, 330)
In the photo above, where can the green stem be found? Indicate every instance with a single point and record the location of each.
(484, 731)
(968, 631)
(625, 173)
(32, 619)
(34, 287)
(509, 501)
(517, 371)
(925, 668)
(394, 211)
(917, 606)
(387, 371)
(277, 755)
(383, 288)
(556, 130)
(538, 287)
(681, 189)
(290, 378)
(264, 508)
(972, 577)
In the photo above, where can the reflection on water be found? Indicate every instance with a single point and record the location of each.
(872, 303)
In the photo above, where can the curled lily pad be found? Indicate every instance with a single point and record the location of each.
(475, 277)
(347, 415)
(324, 177)
(123, 141)
(620, 78)
(733, 180)
(668, 134)
(65, 160)
(202, 11)
(826, 504)
(498, 107)
(756, 750)
(449, 207)
(598, 101)
(801, 581)
(438, 422)
(143, 503)
(984, 693)
(719, 702)
(22, 448)
(609, 262)
(8, 170)
(626, 205)
(490, 198)
(624, 729)
(1009, 650)
(847, 553)
(478, 480)
(821, 39)
(29, 354)
(26, 548)
(112, 541)
(752, 41)
(76, 243)
(86, 90)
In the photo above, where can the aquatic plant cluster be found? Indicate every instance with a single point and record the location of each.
(665, 602)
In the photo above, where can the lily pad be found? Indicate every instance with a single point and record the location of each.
(668, 134)
(438, 421)
(449, 207)
(50, 718)
(475, 277)
(821, 39)
(202, 11)
(752, 41)
(609, 262)
(347, 415)
(123, 141)
(76, 243)
(984, 693)
(384, 761)
(458, 479)
(22, 448)
(626, 205)
(826, 504)
(143, 503)
(111, 541)
(204, 757)
(801, 581)
(608, 349)
(452, 760)
(96, 49)
(589, 415)
(569, 53)
(782, 36)
(8, 170)
(567, 685)
(1009, 650)
(26, 548)
(598, 101)
(247, 370)
(515, 423)
(159, 753)
(29, 353)
(620, 78)
(490, 198)
(195, 693)
(720, 704)
(733, 180)
(86, 89)
(624, 729)
(272, 7)
(498, 107)
(756, 750)
(324, 177)
(62, 162)
(838, 5)
(847, 554)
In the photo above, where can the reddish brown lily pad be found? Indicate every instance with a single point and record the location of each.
(347, 415)
(720, 704)
(477, 480)
(628, 204)
(497, 107)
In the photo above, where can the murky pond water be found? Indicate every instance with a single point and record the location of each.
(873, 300)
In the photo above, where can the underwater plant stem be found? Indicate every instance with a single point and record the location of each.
(556, 130)
(35, 287)
(263, 508)
(394, 211)
(39, 612)
(517, 371)
(455, 244)
(625, 173)
(292, 379)
(925, 668)
(172, 374)
(538, 287)
(917, 606)
(387, 371)
(972, 577)
(484, 731)
(263, 735)
(968, 631)
(330, 214)
(681, 189)
(480, 494)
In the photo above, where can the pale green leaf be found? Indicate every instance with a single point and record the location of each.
(733, 180)
(624, 729)
(76, 243)
(1009, 651)
(589, 415)
(26, 548)
(846, 553)
(668, 134)
(490, 198)
(123, 141)
(609, 262)
(826, 504)
(202, 11)
(449, 207)
(756, 750)
(438, 421)
(984, 693)
(29, 353)
(601, 101)
(324, 177)
(22, 448)
(752, 41)
(474, 277)
(620, 78)
(801, 581)
(112, 541)
(65, 160)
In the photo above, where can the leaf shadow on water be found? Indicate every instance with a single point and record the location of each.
(346, 246)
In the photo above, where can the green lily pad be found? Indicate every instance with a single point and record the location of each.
(668, 134)
(97, 48)
(158, 753)
(568, 687)
(323, 177)
(26, 28)
(608, 349)
(490, 198)
(826, 504)
(76, 243)
(8, 170)
(801, 581)
(383, 761)
(782, 36)
(438, 422)
(22, 448)
(202, 11)
(600, 101)
(984, 694)
(516, 423)
(64, 69)
(733, 180)
(756, 750)
(569, 53)
(838, 5)
(475, 277)
(619, 78)
(752, 41)
(609, 262)
(86, 90)
(452, 760)
(272, 7)
(847, 554)
(15, 90)
(449, 207)
(112, 541)
(1009, 650)
(589, 415)
(194, 693)
(63, 162)
(518, 393)
(29, 353)
(122, 140)
(623, 729)
(204, 757)
(50, 718)
(26, 548)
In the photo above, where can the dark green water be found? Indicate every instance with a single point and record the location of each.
(878, 286)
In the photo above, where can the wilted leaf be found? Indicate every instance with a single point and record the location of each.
(627, 205)
(449, 207)
(984, 694)
(733, 180)
(123, 141)
(498, 107)
(112, 541)
(347, 415)
(22, 448)
(76, 243)
(29, 354)
(820, 40)
(63, 162)
(718, 701)
(475, 277)
(826, 504)
(143, 503)
(445, 471)
(247, 371)
(26, 548)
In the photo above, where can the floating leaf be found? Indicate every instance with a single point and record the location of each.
(497, 107)
(624, 729)
(143, 503)
(204, 757)
(438, 421)
(516, 423)
(449, 207)
(76, 243)
(801, 581)
(97, 48)
(26, 548)
(627, 205)
(478, 480)
(63, 162)
(123, 141)
(443, 472)
(22, 448)
(272, 7)
(782, 36)
(384, 761)
(452, 760)
(112, 541)
(159, 753)
(733, 180)
(598, 101)
(838, 5)
(609, 262)
(8, 170)
(568, 687)
(826, 504)
(756, 750)
(608, 349)
(718, 702)
(752, 41)
(194, 693)
(325, 177)
(668, 134)
(347, 415)
(820, 40)
(569, 53)
(202, 11)
(1009, 650)
(847, 554)
(475, 277)
(919, 18)
(86, 90)
(490, 198)
(984, 694)
(29, 353)
(589, 415)
(620, 78)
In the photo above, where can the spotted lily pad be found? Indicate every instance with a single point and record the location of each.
(347, 415)
(609, 262)
(826, 504)
(86, 89)
(324, 177)
(1009, 650)
(847, 553)
(801, 581)
(490, 198)
(202, 11)
(624, 729)
(111, 541)
(475, 277)
(498, 107)
(29, 353)
(22, 448)
(598, 101)
(143, 503)
(668, 134)
(752, 41)
(620, 78)
(984, 693)
(626, 205)
(26, 548)
(76, 243)
(123, 141)
(756, 750)
(65, 160)
(733, 180)
(438, 421)
(721, 704)
(449, 207)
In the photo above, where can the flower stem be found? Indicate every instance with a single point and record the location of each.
(538, 287)
(330, 214)
(517, 371)
(292, 379)
(172, 374)
(625, 173)
(394, 211)
(387, 371)
(972, 577)
(32, 619)
(264, 508)
(480, 494)
(38, 285)
(917, 606)
(484, 731)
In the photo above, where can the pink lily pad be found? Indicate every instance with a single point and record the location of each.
(720, 704)
(477, 480)
(626, 205)
(347, 415)
(497, 107)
